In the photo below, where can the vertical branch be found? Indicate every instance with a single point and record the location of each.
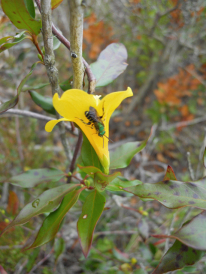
(76, 37)
(64, 41)
(49, 61)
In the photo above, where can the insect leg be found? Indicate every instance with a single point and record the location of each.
(83, 121)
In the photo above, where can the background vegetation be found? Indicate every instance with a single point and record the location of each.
(166, 70)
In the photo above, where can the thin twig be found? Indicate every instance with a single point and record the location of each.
(42, 261)
(116, 232)
(183, 123)
(19, 112)
(20, 268)
(35, 41)
(5, 247)
(76, 152)
(51, 69)
(170, 10)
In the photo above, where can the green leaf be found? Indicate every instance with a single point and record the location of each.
(17, 39)
(169, 175)
(119, 183)
(59, 248)
(44, 102)
(174, 194)
(39, 86)
(52, 222)
(110, 64)
(19, 16)
(31, 259)
(11, 103)
(33, 177)
(191, 233)
(120, 256)
(91, 170)
(30, 7)
(177, 257)
(6, 39)
(123, 155)
(67, 84)
(46, 202)
(101, 180)
(91, 212)
(89, 156)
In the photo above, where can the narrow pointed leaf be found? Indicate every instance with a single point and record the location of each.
(38, 86)
(19, 16)
(52, 222)
(67, 84)
(59, 248)
(4, 44)
(178, 256)
(91, 212)
(33, 177)
(11, 103)
(44, 102)
(110, 64)
(174, 194)
(169, 175)
(46, 202)
(123, 155)
(6, 39)
(119, 183)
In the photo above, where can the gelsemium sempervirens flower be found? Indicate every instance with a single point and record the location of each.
(72, 106)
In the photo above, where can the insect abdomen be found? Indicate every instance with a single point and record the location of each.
(90, 117)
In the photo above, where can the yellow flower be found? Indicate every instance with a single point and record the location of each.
(72, 106)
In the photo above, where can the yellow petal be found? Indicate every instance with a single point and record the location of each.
(51, 124)
(74, 103)
(111, 101)
(100, 144)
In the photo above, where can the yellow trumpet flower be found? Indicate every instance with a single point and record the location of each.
(72, 106)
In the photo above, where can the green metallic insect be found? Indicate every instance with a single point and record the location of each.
(96, 122)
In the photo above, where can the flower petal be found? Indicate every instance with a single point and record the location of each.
(100, 144)
(51, 124)
(73, 103)
(109, 103)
